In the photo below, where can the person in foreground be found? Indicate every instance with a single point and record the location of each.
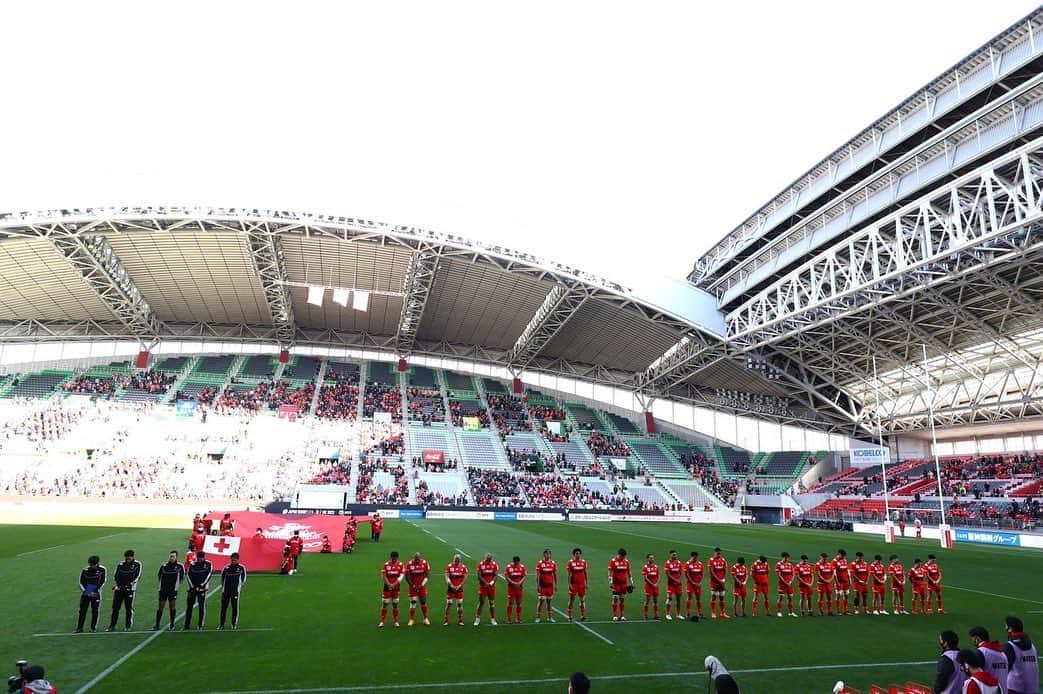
(978, 681)
(723, 683)
(579, 683)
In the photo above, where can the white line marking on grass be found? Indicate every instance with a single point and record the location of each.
(462, 552)
(585, 628)
(440, 539)
(44, 549)
(144, 633)
(994, 595)
(109, 537)
(123, 658)
(548, 680)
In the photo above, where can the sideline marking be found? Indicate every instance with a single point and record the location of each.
(144, 633)
(548, 680)
(107, 537)
(26, 554)
(584, 627)
(994, 595)
(460, 551)
(128, 655)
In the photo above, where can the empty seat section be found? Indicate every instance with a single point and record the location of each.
(657, 461)
(734, 462)
(41, 385)
(479, 450)
(456, 381)
(216, 365)
(586, 419)
(491, 385)
(423, 377)
(258, 366)
(346, 372)
(624, 425)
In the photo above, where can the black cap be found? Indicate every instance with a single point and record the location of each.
(859, 554)
(785, 555)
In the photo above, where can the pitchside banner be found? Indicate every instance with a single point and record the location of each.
(869, 456)
(275, 527)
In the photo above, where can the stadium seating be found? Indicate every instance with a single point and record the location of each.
(692, 495)
(39, 385)
(215, 365)
(481, 450)
(467, 407)
(426, 405)
(459, 383)
(585, 418)
(342, 372)
(172, 364)
(423, 377)
(655, 459)
(491, 385)
(302, 368)
(257, 366)
(622, 424)
(734, 462)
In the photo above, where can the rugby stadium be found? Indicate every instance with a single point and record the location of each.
(856, 365)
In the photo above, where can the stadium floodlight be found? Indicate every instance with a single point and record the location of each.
(340, 296)
(316, 295)
(360, 302)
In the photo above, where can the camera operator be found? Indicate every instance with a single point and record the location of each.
(29, 680)
(92, 578)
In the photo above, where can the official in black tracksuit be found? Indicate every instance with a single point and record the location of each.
(233, 578)
(170, 576)
(125, 579)
(198, 578)
(92, 578)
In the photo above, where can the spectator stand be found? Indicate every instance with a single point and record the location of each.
(38, 386)
(382, 392)
(338, 393)
(481, 449)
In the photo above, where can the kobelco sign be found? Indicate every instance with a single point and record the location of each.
(865, 457)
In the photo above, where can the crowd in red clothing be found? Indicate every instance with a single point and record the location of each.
(335, 474)
(508, 413)
(601, 445)
(426, 497)
(92, 385)
(425, 405)
(150, 381)
(468, 408)
(369, 493)
(338, 400)
(380, 397)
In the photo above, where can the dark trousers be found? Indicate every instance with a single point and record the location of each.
(233, 600)
(193, 597)
(125, 599)
(94, 604)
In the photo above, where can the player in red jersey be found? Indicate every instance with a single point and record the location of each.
(918, 586)
(196, 539)
(455, 575)
(934, 583)
(805, 582)
(740, 575)
(418, 571)
(577, 571)
(487, 571)
(897, 573)
(784, 571)
(650, 574)
(674, 570)
(620, 582)
(842, 570)
(761, 572)
(859, 571)
(546, 584)
(393, 573)
(514, 573)
(258, 534)
(824, 575)
(296, 544)
(693, 573)
(190, 559)
(227, 525)
(878, 572)
(718, 567)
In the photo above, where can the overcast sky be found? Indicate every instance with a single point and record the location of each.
(623, 138)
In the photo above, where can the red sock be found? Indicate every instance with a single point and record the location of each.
(688, 606)
(699, 605)
(423, 608)
(583, 611)
(492, 612)
(622, 609)
(412, 612)
(395, 613)
(519, 613)
(510, 611)
(615, 609)
(646, 611)
(383, 613)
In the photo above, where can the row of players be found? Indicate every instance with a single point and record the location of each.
(170, 576)
(831, 578)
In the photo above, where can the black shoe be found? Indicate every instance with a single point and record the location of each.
(110, 629)
(155, 628)
(199, 628)
(94, 630)
(79, 630)
(185, 628)
(235, 627)
(220, 627)
(127, 629)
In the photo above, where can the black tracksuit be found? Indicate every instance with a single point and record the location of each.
(198, 578)
(92, 578)
(233, 578)
(126, 578)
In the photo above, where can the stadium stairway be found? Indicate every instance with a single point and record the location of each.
(318, 385)
(656, 458)
(363, 375)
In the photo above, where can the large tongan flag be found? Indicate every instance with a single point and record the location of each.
(220, 546)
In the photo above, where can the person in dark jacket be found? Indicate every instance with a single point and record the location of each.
(949, 677)
(1022, 659)
(125, 579)
(92, 578)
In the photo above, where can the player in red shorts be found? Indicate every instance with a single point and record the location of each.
(620, 582)
(674, 571)
(514, 573)
(934, 583)
(842, 570)
(487, 571)
(824, 575)
(393, 573)
(718, 567)
(196, 539)
(860, 582)
(785, 572)
(455, 575)
(418, 571)
(918, 586)
(693, 573)
(190, 559)
(897, 573)
(761, 572)
(546, 584)
(740, 575)
(650, 574)
(878, 572)
(805, 582)
(577, 572)
(227, 525)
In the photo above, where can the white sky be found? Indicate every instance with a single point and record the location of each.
(621, 138)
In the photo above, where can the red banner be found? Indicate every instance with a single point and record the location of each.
(254, 554)
(281, 527)
(435, 457)
(288, 412)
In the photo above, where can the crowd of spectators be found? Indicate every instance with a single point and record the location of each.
(155, 382)
(601, 445)
(509, 413)
(42, 424)
(369, 491)
(494, 487)
(526, 459)
(338, 400)
(448, 464)
(468, 408)
(426, 497)
(103, 386)
(338, 473)
(380, 397)
(425, 406)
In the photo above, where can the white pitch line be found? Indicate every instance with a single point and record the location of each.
(44, 549)
(994, 595)
(461, 551)
(440, 539)
(144, 633)
(585, 628)
(123, 658)
(549, 680)
(109, 537)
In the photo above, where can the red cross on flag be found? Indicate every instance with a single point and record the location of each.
(220, 545)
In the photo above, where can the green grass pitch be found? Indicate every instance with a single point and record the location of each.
(317, 631)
